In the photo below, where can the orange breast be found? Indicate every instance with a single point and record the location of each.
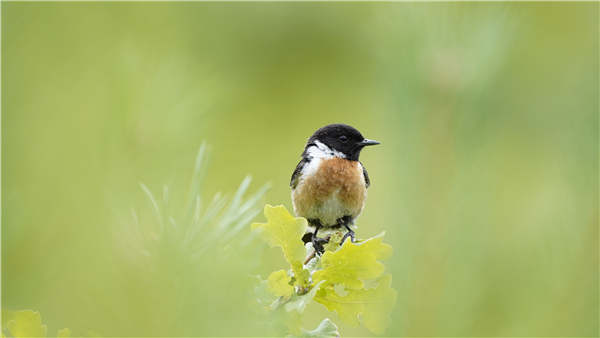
(336, 189)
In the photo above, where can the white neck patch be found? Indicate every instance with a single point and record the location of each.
(323, 152)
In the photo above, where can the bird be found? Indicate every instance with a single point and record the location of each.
(329, 185)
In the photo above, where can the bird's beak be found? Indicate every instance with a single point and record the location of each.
(366, 142)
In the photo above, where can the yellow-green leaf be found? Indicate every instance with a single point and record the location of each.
(354, 262)
(278, 284)
(285, 231)
(27, 324)
(374, 304)
(299, 302)
(64, 333)
(335, 238)
(326, 329)
(7, 316)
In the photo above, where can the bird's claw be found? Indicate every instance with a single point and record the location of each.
(318, 244)
(350, 234)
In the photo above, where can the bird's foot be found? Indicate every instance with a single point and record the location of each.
(350, 234)
(318, 243)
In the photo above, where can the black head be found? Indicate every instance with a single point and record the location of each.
(340, 138)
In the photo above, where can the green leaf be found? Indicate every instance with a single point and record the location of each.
(64, 333)
(262, 300)
(335, 238)
(326, 329)
(375, 305)
(285, 231)
(278, 284)
(293, 322)
(299, 302)
(7, 316)
(354, 262)
(290, 320)
(27, 324)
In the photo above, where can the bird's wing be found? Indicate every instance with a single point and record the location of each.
(366, 175)
(298, 172)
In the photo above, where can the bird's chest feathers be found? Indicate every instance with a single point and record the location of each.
(329, 189)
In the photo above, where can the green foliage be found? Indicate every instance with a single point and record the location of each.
(198, 229)
(279, 284)
(64, 333)
(299, 302)
(374, 304)
(177, 252)
(325, 330)
(291, 320)
(196, 253)
(354, 262)
(285, 231)
(7, 316)
(285, 295)
(26, 323)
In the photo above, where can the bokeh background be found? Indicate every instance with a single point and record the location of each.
(486, 181)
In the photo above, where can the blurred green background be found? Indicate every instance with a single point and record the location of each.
(486, 181)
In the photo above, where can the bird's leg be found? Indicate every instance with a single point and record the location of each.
(350, 234)
(346, 220)
(318, 242)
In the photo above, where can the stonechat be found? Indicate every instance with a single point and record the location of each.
(329, 185)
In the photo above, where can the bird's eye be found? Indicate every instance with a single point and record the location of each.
(343, 139)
